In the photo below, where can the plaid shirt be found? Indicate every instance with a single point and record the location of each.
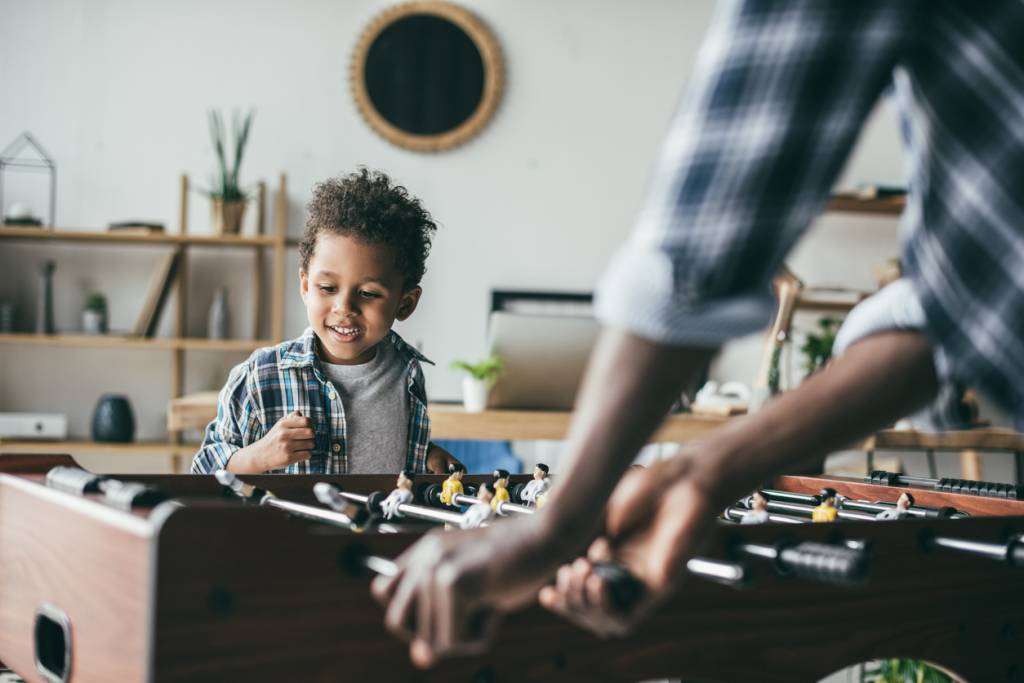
(779, 94)
(278, 380)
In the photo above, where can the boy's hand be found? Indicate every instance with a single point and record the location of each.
(289, 441)
(438, 460)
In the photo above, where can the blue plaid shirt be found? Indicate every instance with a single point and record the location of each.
(278, 380)
(778, 96)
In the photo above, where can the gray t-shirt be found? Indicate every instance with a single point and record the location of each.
(375, 397)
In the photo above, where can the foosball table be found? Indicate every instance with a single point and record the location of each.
(175, 578)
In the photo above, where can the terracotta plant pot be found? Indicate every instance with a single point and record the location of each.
(227, 216)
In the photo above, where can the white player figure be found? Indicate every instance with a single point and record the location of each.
(479, 513)
(758, 509)
(901, 510)
(537, 486)
(400, 496)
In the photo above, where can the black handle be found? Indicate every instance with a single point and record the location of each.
(824, 563)
(52, 641)
(624, 589)
(1015, 551)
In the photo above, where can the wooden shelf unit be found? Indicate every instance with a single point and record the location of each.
(114, 237)
(132, 342)
(179, 344)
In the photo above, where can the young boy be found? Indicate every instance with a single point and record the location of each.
(348, 396)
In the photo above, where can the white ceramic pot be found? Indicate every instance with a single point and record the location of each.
(474, 394)
(94, 322)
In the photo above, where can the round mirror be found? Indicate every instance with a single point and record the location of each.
(427, 76)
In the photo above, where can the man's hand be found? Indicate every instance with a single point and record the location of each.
(289, 441)
(656, 519)
(438, 460)
(452, 587)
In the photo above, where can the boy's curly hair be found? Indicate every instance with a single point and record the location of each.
(366, 205)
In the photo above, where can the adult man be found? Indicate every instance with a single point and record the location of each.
(779, 94)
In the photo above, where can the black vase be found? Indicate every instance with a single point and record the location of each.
(113, 421)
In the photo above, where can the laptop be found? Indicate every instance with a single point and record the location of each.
(544, 357)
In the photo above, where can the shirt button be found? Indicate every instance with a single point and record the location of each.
(330, 395)
(337, 447)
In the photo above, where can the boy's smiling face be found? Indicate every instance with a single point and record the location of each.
(353, 293)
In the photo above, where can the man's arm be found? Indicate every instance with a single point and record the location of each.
(656, 516)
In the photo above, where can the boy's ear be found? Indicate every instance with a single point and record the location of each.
(408, 304)
(303, 284)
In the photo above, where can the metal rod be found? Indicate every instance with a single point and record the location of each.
(414, 511)
(716, 570)
(309, 511)
(995, 551)
(807, 510)
(501, 508)
(737, 514)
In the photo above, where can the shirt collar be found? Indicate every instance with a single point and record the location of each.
(301, 352)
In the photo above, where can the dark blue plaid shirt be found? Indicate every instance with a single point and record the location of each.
(778, 96)
(278, 380)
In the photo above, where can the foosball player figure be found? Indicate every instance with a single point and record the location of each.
(501, 494)
(478, 513)
(537, 486)
(901, 510)
(826, 510)
(452, 486)
(758, 509)
(400, 496)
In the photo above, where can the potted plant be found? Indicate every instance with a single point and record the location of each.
(817, 348)
(94, 315)
(481, 376)
(227, 198)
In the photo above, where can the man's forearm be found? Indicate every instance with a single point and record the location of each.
(629, 386)
(878, 380)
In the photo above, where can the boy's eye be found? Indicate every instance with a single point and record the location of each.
(327, 289)
(366, 294)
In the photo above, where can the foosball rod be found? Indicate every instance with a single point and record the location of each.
(808, 510)
(736, 514)
(408, 509)
(1011, 552)
(843, 503)
(502, 508)
(970, 487)
(260, 496)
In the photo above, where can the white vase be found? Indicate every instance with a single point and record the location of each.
(217, 322)
(474, 394)
(94, 322)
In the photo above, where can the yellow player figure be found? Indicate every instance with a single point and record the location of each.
(452, 486)
(500, 489)
(826, 511)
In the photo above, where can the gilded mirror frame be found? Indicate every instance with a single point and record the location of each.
(490, 54)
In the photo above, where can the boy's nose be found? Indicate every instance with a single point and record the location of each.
(346, 304)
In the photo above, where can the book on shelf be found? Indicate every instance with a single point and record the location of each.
(136, 228)
(156, 295)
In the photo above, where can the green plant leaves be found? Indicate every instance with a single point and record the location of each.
(226, 186)
(487, 369)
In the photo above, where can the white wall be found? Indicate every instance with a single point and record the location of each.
(118, 91)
